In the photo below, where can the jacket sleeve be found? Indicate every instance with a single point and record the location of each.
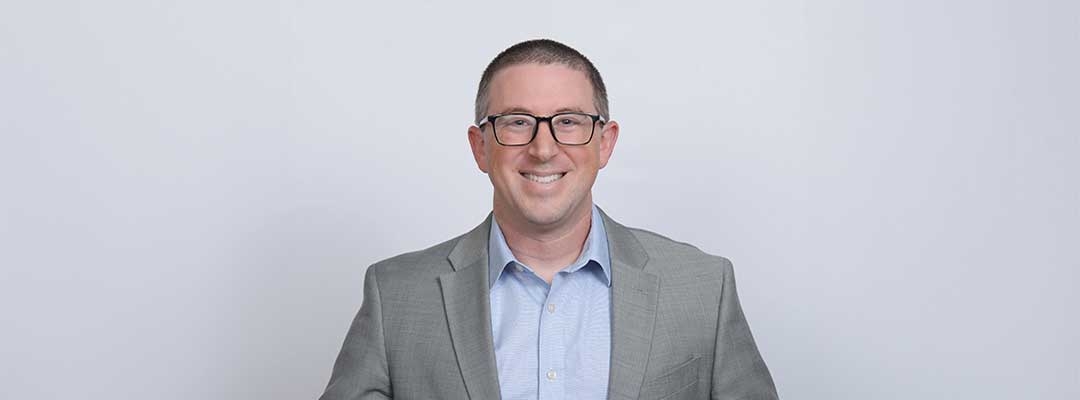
(738, 369)
(361, 371)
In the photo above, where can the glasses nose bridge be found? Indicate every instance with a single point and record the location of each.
(550, 124)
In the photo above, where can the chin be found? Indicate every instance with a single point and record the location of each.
(543, 217)
(548, 214)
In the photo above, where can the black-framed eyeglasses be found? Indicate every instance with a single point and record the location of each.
(519, 129)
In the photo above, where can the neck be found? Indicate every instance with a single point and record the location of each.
(547, 249)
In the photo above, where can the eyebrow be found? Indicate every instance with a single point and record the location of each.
(527, 111)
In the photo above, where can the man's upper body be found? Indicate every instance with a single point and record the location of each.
(549, 298)
(424, 330)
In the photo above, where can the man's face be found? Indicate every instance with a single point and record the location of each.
(543, 185)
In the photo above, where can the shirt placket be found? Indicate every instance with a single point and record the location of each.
(552, 345)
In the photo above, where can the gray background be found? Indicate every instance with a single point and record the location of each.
(191, 191)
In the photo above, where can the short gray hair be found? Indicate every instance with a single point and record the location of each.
(542, 51)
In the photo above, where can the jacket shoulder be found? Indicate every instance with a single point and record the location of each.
(431, 261)
(671, 257)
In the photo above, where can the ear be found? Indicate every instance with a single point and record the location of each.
(478, 143)
(608, 136)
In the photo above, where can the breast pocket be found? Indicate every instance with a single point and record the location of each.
(677, 382)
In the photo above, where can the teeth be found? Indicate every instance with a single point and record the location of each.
(544, 178)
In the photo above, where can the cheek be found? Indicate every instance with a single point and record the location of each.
(501, 160)
(588, 157)
(491, 154)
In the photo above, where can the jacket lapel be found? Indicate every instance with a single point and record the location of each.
(634, 295)
(468, 312)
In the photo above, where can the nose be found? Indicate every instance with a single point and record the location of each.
(544, 146)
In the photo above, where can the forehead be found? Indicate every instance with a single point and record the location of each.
(540, 88)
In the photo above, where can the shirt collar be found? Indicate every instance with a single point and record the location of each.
(595, 250)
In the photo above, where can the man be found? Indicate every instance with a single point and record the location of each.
(549, 297)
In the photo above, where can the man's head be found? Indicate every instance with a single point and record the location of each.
(542, 184)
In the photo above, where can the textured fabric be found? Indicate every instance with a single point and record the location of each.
(552, 341)
(677, 329)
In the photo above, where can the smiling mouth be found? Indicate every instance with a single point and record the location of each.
(543, 178)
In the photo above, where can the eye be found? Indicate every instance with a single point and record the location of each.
(570, 120)
(514, 121)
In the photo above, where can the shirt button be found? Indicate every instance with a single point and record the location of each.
(551, 308)
(551, 375)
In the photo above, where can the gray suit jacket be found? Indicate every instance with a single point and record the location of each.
(677, 331)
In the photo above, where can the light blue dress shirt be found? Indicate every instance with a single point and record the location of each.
(552, 341)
